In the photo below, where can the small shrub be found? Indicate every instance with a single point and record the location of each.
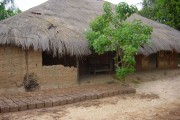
(30, 82)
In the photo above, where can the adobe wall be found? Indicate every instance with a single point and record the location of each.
(13, 69)
(167, 59)
(142, 63)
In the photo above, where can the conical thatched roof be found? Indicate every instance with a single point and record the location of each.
(57, 25)
(163, 37)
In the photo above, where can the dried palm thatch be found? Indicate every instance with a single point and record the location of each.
(57, 26)
(163, 37)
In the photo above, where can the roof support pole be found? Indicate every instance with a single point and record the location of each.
(77, 66)
(27, 62)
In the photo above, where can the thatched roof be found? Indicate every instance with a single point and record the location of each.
(59, 26)
(163, 37)
(56, 25)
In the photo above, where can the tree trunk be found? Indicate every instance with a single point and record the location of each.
(118, 57)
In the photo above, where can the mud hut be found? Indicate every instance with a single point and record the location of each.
(162, 51)
(53, 35)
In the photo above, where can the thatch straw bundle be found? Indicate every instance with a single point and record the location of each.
(163, 37)
(57, 25)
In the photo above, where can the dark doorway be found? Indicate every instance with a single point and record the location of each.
(153, 61)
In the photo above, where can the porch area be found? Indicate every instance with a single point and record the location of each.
(137, 77)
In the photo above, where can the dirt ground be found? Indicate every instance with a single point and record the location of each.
(156, 99)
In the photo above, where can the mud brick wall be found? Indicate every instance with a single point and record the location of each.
(142, 63)
(167, 59)
(145, 63)
(13, 69)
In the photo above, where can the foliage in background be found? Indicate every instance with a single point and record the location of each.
(164, 11)
(7, 9)
(110, 32)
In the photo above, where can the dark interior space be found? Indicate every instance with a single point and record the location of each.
(95, 63)
(153, 61)
(48, 59)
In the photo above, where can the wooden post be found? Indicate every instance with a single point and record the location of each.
(77, 65)
(27, 63)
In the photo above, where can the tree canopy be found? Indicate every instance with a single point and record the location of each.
(164, 11)
(111, 32)
(6, 12)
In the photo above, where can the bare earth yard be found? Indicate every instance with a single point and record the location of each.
(157, 99)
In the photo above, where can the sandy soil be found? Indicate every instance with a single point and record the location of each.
(155, 100)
